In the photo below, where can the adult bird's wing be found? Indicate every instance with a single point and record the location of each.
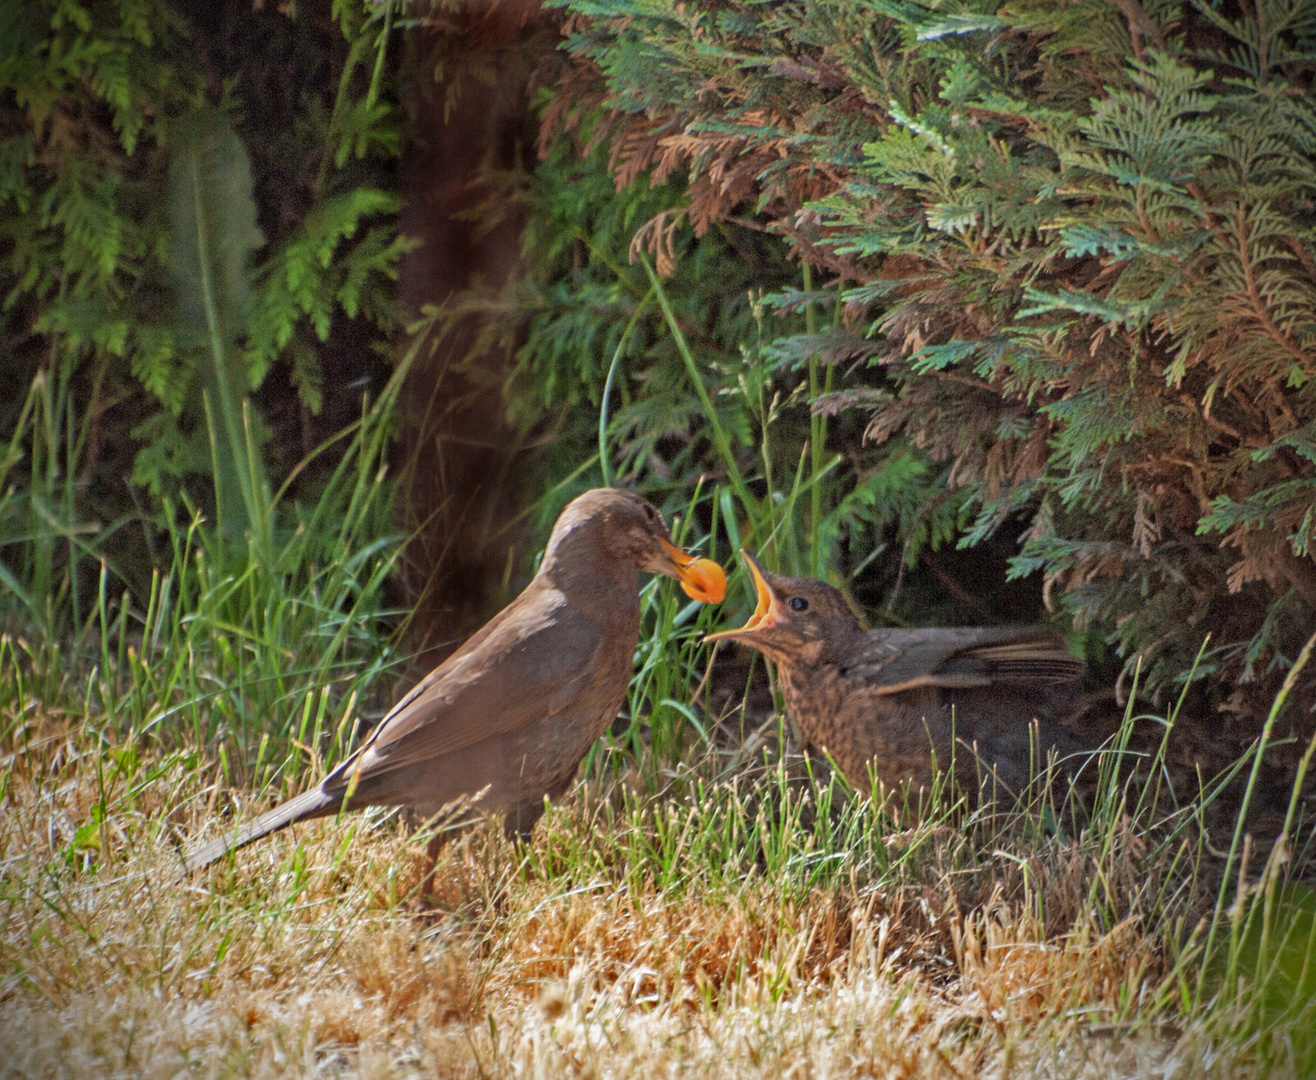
(969, 657)
(533, 660)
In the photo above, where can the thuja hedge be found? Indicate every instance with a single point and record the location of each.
(1075, 248)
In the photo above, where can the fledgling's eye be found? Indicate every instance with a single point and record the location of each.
(798, 603)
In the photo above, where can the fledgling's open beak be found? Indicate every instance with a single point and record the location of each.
(701, 579)
(765, 614)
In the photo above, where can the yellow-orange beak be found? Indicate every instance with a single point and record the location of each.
(701, 579)
(763, 617)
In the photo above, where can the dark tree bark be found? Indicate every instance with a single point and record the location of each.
(469, 75)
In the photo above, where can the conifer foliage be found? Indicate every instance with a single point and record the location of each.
(1075, 245)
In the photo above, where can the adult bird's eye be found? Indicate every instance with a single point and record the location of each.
(798, 603)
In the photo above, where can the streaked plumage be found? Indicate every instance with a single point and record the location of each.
(880, 702)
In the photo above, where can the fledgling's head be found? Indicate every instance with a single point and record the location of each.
(623, 529)
(794, 618)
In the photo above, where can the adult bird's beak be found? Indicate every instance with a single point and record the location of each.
(764, 616)
(701, 579)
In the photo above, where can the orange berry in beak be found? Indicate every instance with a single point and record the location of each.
(704, 580)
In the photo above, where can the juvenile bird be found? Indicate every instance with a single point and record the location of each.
(882, 700)
(515, 709)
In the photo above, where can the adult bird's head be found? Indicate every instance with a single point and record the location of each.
(794, 618)
(608, 529)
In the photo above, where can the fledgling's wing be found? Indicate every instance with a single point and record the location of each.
(534, 660)
(1028, 659)
(964, 658)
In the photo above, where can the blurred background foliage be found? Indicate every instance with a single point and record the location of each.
(984, 313)
(199, 248)
(200, 210)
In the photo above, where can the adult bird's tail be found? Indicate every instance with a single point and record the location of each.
(311, 804)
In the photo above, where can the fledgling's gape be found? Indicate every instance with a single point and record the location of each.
(515, 709)
(880, 702)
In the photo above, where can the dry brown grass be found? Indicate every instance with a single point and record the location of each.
(306, 955)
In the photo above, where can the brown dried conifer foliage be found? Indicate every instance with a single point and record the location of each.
(1080, 239)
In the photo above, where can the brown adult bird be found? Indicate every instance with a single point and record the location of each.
(512, 712)
(880, 702)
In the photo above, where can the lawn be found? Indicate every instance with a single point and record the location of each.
(731, 913)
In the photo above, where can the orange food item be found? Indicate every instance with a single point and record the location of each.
(705, 581)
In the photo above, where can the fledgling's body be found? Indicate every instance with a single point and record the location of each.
(897, 704)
